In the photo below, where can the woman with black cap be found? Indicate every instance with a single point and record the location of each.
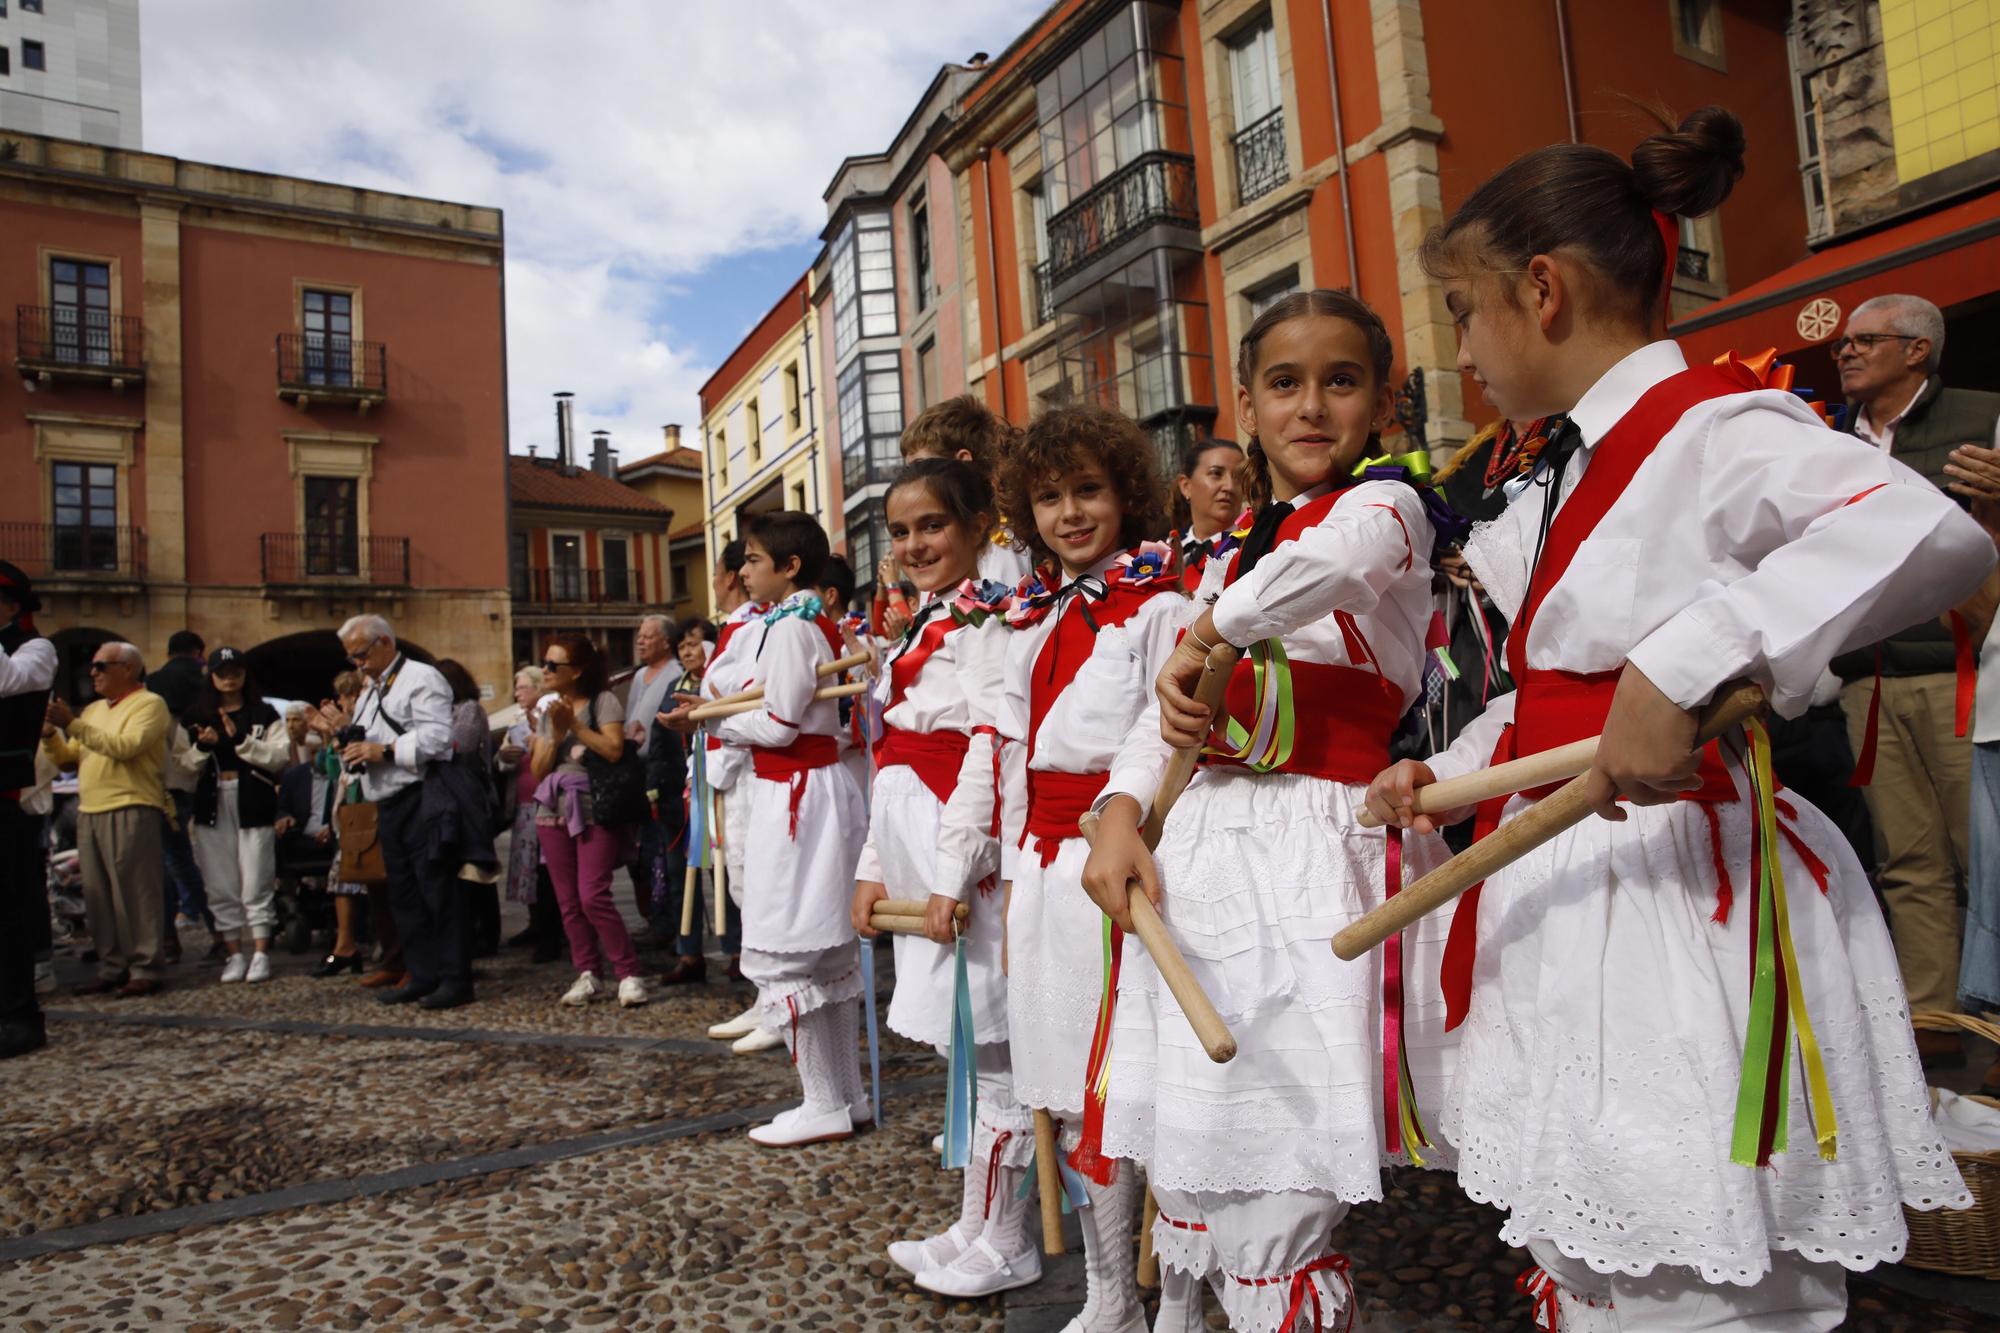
(240, 747)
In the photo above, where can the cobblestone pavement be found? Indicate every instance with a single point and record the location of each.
(293, 1155)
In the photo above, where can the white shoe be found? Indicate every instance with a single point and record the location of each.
(742, 1025)
(1136, 1324)
(260, 967)
(795, 1127)
(584, 991)
(632, 993)
(983, 1270)
(761, 1039)
(45, 978)
(937, 1145)
(233, 970)
(921, 1256)
(861, 1112)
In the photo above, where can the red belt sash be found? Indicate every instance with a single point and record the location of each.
(1344, 719)
(793, 763)
(1056, 801)
(936, 756)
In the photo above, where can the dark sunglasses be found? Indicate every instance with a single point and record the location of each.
(96, 667)
(554, 666)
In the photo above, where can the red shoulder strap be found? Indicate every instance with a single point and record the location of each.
(1070, 643)
(1614, 462)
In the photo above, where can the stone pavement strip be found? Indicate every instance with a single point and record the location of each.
(295, 1156)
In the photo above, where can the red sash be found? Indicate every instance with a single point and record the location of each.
(1056, 802)
(1345, 717)
(1554, 707)
(936, 756)
(793, 763)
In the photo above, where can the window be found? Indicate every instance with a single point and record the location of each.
(920, 253)
(1697, 31)
(1120, 94)
(80, 312)
(33, 56)
(86, 512)
(31, 6)
(871, 419)
(618, 581)
(799, 497)
(1272, 290)
(927, 374)
(333, 525)
(327, 349)
(565, 567)
(753, 431)
(864, 282)
(6, 57)
(794, 403)
(1253, 66)
(678, 574)
(517, 565)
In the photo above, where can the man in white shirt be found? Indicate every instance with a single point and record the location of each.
(27, 670)
(405, 717)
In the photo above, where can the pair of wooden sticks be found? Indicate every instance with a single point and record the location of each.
(750, 700)
(905, 916)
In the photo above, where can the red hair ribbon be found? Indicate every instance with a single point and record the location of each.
(1670, 237)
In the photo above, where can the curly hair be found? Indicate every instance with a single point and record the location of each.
(964, 422)
(1066, 438)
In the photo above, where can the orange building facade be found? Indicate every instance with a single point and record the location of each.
(251, 405)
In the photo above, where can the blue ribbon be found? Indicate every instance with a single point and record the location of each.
(698, 850)
(961, 1088)
(1076, 1194)
(874, 1041)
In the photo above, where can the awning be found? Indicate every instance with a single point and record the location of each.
(1946, 257)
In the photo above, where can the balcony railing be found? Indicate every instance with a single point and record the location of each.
(1260, 158)
(1155, 189)
(1045, 294)
(329, 368)
(78, 343)
(1691, 264)
(52, 552)
(543, 586)
(312, 558)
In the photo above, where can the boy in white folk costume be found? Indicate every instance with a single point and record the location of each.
(1689, 1079)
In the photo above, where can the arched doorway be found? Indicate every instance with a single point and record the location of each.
(74, 649)
(301, 667)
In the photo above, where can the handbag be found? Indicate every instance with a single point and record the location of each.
(617, 787)
(359, 827)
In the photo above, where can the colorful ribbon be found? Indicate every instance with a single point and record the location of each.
(868, 1003)
(1402, 1122)
(961, 1088)
(1088, 1156)
(1267, 743)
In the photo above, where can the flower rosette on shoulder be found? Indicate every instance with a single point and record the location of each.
(1032, 598)
(1233, 538)
(976, 601)
(1144, 565)
(802, 604)
(1413, 469)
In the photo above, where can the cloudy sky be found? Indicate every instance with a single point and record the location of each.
(661, 162)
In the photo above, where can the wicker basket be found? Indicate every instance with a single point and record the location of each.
(1961, 1242)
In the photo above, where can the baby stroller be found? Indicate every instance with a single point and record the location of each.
(302, 902)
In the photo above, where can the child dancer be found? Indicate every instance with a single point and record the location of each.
(803, 832)
(932, 836)
(1092, 634)
(1262, 860)
(966, 429)
(1628, 1089)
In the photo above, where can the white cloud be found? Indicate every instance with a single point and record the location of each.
(631, 143)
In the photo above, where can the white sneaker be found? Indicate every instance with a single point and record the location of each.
(937, 1145)
(632, 993)
(861, 1112)
(1134, 1323)
(584, 991)
(921, 1256)
(983, 1270)
(760, 1039)
(45, 978)
(795, 1127)
(742, 1025)
(233, 970)
(260, 967)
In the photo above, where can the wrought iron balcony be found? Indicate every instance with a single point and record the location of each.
(1691, 264)
(320, 367)
(51, 553)
(1045, 294)
(541, 585)
(1260, 158)
(70, 343)
(1156, 189)
(312, 559)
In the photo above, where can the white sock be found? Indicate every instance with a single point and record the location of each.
(1006, 1215)
(847, 1063)
(1180, 1303)
(1111, 1297)
(814, 1049)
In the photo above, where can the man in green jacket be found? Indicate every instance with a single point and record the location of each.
(1919, 796)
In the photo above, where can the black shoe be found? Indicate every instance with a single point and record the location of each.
(409, 994)
(524, 938)
(22, 1036)
(447, 997)
(334, 964)
(546, 950)
(686, 971)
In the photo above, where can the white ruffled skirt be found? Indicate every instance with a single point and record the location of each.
(1055, 977)
(1597, 1083)
(1259, 873)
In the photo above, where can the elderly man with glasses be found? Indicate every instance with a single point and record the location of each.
(404, 717)
(118, 746)
(1901, 695)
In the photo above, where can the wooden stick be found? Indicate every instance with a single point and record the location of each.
(902, 921)
(1149, 1263)
(1048, 1182)
(689, 888)
(1733, 705)
(709, 711)
(1208, 1026)
(823, 670)
(1516, 775)
(912, 907)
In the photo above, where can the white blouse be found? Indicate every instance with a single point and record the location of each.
(785, 657)
(1754, 542)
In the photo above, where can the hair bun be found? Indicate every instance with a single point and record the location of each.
(1689, 171)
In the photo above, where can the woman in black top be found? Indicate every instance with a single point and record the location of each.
(239, 747)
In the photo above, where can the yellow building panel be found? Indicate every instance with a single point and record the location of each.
(1942, 73)
(1983, 137)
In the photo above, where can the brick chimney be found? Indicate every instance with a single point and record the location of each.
(673, 432)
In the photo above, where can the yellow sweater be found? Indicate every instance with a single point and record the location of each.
(119, 751)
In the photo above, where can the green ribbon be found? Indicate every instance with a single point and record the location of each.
(1417, 463)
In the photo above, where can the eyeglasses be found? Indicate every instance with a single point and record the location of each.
(553, 666)
(361, 655)
(96, 667)
(1866, 341)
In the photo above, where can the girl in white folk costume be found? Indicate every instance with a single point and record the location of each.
(803, 833)
(932, 837)
(1088, 641)
(1629, 1088)
(1254, 1162)
(966, 429)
